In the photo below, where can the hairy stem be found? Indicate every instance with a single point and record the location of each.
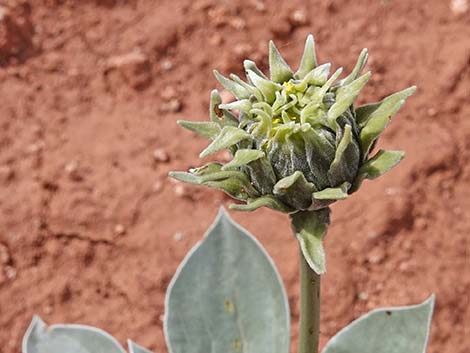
(309, 327)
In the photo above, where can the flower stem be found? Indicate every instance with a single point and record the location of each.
(309, 327)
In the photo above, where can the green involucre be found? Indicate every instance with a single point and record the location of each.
(297, 140)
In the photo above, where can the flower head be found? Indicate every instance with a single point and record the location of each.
(297, 140)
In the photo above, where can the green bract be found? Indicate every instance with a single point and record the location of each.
(297, 141)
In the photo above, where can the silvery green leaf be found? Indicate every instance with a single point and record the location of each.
(228, 136)
(309, 58)
(387, 330)
(388, 106)
(295, 190)
(236, 89)
(253, 90)
(251, 66)
(243, 157)
(322, 91)
(231, 186)
(214, 111)
(279, 70)
(378, 120)
(318, 76)
(381, 163)
(345, 96)
(339, 193)
(40, 338)
(267, 87)
(310, 228)
(263, 201)
(135, 348)
(212, 175)
(361, 63)
(227, 296)
(208, 129)
(347, 158)
(243, 105)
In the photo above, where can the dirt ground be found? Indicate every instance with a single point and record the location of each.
(92, 230)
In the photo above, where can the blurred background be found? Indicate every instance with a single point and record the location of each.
(91, 228)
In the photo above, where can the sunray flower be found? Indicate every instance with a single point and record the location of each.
(298, 142)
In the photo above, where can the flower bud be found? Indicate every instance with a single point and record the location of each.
(297, 140)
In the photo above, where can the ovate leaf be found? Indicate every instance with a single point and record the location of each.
(388, 330)
(40, 338)
(227, 296)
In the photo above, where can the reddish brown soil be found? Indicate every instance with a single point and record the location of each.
(91, 229)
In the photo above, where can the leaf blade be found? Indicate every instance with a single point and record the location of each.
(40, 338)
(210, 311)
(388, 330)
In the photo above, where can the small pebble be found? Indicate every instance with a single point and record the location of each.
(242, 49)
(392, 191)
(459, 7)
(216, 39)
(119, 229)
(259, 5)
(160, 155)
(432, 112)
(10, 272)
(4, 254)
(404, 266)
(363, 296)
(173, 106)
(181, 190)
(376, 256)
(72, 170)
(298, 18)
(35, 147)
(168, 93)
(157, 186)
(166, 65)
(178, 236)
(237, 23)
(134, 66)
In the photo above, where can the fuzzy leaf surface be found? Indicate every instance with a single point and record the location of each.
(386, 330)
(40, 338)
(227, 296)
(310, 228)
